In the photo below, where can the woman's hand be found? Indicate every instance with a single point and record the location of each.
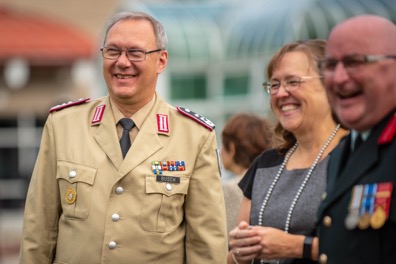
(276, 244)
(245, 243)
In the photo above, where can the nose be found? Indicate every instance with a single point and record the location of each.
(282, 91)
(340, 73)
(123, 60)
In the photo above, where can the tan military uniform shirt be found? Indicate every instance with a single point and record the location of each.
(86, 204)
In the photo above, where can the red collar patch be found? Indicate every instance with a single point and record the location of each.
(389, 132)
(162, 123)
(98, 115)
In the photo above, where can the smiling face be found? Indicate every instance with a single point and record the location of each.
(299, 110)
(133, 83)
(362, 97)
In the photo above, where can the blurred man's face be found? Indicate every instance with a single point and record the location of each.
(361, 93)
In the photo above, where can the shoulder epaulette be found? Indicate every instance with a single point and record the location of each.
(196, 117)
(68, 104)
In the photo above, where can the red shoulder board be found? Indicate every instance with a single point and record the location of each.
(198, 118)
(389, 132)
(68, 104)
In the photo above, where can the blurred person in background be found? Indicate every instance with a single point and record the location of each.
(244, 137)
(357, 220)
(283, 187)
(126, 178)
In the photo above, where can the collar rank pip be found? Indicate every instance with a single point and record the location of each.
(198, 118)
(68, 104)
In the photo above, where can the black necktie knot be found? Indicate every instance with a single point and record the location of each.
(125, 141)
(126, 123)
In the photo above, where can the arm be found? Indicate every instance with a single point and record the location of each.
(42, 209)
(206, 235)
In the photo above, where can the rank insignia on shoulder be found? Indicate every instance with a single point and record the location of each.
(68, 104)
(198, 118)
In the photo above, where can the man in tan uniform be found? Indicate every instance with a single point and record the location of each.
(162, 203)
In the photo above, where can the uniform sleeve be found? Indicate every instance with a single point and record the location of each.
(206, 231)
(42, 208)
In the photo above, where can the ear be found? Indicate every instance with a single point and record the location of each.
(162, 61)
(232, 149)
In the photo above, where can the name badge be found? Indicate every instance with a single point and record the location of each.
(168, 179)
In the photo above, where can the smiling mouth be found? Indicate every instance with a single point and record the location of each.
(349, 95)
(287, 108)
(119, 76)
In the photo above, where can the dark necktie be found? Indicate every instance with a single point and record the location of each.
(125, 141)
(358, 142)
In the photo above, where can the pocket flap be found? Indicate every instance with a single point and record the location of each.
(73, 172)
(166, 188)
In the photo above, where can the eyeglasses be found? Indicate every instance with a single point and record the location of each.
(132, 54)
(351, 63)
(292, 83)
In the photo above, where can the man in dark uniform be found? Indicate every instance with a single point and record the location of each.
(126, 178)
(357, 217)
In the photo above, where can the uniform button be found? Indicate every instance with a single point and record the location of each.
(115, 217)
(119, 190)
(168, 186)
(112, 245)
(323, 259)
(327, 221)
(324, 195)
(72, 174)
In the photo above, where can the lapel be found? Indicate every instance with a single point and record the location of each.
(338, 159)
(105, 134)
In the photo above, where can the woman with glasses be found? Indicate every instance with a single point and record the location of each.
(284, 186)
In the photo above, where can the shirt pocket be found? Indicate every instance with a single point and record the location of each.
(75, 186)
(163, 205)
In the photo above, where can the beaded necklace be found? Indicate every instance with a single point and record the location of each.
(303, 184)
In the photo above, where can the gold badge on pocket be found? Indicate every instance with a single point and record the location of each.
(70, 196)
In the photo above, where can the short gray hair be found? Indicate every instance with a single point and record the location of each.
(159, 30)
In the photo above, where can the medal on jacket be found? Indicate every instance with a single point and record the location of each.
(382, 205)
(352, 219)
(367, 206)
(70, 196)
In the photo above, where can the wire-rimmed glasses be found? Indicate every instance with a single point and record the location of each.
(292, 83)
(351, 63)
(132, 54)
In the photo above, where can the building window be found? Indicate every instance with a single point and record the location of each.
(236, 85)
(188, 87)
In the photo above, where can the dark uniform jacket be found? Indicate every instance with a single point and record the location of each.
(373, 164)
(88, 205)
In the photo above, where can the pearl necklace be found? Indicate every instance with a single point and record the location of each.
(297, 196)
